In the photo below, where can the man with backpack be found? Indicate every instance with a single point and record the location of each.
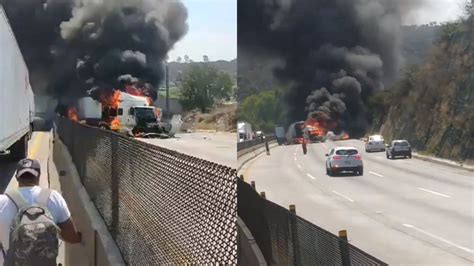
(31, 219)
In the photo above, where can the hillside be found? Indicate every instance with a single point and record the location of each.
(433, 107)
(229, 67)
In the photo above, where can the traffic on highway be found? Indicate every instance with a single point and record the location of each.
(381, 198)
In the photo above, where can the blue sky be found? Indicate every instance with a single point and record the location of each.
(212, 31)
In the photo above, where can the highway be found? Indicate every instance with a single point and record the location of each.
(403, 211)
(38, 149)
(216, 147)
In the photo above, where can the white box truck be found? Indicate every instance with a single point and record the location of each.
(16, 95)
(245, 131)
(132, 116)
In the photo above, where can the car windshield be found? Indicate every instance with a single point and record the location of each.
(401, 143)
(376, 138)
(145, 114)
(347, 152)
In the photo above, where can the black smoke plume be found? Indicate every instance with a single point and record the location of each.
(73, 47)
(336, 51)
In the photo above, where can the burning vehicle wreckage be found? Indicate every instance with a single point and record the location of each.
(313, 131)
(129, 113)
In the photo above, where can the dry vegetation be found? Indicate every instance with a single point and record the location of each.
(221, 118)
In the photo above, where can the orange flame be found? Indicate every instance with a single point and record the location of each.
(115, 124)
(72, 114)
(315, 128)
(345, 136)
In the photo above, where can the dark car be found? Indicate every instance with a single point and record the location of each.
(398, 148)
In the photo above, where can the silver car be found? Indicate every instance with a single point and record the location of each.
(375, 143)
(344, 159)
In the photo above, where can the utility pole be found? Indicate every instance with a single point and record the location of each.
(167, 74)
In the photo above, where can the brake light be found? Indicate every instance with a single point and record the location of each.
(336, 157)
(357, 157)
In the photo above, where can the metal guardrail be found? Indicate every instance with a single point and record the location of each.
(160, 206)
(287, 239)
(254, 142)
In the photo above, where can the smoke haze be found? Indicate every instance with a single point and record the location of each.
(336, 53)
(77, 46)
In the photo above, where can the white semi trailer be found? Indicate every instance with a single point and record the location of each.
(16, 95)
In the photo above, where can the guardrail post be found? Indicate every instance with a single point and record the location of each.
(252, 183)
(262, 194)
(114, 186)
(266, 146)
(294, 235)
(344, 247)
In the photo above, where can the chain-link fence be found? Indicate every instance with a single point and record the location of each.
(161, 206)
(254, 142)
(287, 239)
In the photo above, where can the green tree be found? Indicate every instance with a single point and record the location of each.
(263, 110)
(202, 85)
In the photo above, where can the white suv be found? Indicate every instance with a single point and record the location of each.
(375, 143)
(343, 159)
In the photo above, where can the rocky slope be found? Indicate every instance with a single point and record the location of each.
(434, 106)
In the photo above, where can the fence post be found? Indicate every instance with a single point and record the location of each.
(252, 183)
(294, 235)
(344, 247)
(115, 186)
(262, 194)
(267, 147)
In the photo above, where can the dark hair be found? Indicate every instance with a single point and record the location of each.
(27, 178)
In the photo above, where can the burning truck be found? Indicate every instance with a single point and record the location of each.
(123, 113)
(313, 131)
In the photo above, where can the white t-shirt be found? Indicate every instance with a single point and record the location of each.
(56, 205)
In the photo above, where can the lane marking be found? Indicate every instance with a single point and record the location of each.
(294, 154)
(374, 173)
(299, 166)
(295, 159)
(439, 238)
(325, 146)
(434, 192)
(310, 176)
(36, 145)
(339, 194)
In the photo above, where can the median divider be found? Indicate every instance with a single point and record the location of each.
(249, 150)
(284, 238)
(161, 207)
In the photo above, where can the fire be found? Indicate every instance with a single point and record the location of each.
(72, 114)
(345, 136)
(130, 89)
(115, 124)
(111, 100)
(315, 128)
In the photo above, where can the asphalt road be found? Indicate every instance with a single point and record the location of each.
(38, 149)
(403, 211)
(216, 147)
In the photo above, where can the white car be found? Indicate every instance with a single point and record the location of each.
(375, 143)
(344, 159)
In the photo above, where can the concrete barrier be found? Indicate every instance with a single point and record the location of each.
(246, 155)
(249, 252)
(98, 247)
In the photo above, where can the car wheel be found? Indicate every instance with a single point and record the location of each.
(360, 171)
(327, 170)
(388, 157)
(409, 156)
(330, 173)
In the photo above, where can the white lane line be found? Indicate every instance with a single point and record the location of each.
(299, 166)
(295, 159)
(339, 194)
(434, 192)
(439, 238)
(294, 154)
(325, 146)
(310, 176)
(374, 173)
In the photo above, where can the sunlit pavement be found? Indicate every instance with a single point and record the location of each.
(403, 211)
